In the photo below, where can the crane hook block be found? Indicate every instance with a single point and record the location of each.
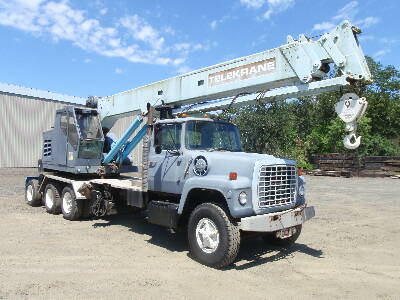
(350, 109)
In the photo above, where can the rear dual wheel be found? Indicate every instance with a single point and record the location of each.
(71, 207)
(55, 203)
(32, 195)
(52, 199)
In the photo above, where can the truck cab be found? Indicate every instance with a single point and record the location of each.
(199, 174)
(203, 155)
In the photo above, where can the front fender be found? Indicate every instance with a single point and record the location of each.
(228, 188)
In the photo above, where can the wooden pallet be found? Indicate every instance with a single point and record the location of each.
(371, 166)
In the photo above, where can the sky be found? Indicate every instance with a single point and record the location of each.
(102, 47)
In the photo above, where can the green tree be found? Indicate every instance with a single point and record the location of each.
(299, 128)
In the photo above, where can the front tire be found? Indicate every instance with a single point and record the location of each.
(71, 207)
(52, 199)
(273, 240)
(214, 239)
(32, 195)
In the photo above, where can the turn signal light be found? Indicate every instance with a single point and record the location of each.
(183, 115)
(232, 176)
(300, 171)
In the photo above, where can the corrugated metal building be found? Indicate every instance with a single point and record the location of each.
(24, 114)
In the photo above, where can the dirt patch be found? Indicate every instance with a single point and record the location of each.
(349, 250)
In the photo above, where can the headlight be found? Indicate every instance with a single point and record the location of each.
(301, 190)
(242, 198)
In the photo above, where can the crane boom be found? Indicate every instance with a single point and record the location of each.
(295, 69)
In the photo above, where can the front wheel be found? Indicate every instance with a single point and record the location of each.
(214, 239)
(273, 239)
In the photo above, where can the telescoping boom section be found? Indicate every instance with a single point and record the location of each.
(295, 69)
(298, 68)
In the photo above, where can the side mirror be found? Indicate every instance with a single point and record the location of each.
(158, 149)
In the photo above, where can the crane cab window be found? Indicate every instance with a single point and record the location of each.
(72, 132)
(89, 125)
(64, 123)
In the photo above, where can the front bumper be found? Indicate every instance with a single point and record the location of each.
(278, 220)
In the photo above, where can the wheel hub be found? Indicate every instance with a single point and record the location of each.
(67, 203)
(29, 193)
(49, 198)
(207, 235)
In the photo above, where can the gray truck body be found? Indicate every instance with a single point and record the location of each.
(271, 184)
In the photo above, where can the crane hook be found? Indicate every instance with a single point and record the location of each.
(350, 109)
(347, 141)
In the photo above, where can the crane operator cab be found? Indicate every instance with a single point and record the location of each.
(75, 143)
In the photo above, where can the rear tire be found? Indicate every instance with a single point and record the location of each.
(32, 195)
(214, 239)
(71, 207)
(52, 199)
(273, 240)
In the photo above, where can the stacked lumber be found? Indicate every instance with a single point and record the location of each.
(380, 166)
(348, 164)
(336, 164)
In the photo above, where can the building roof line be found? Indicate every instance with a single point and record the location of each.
(35, 93)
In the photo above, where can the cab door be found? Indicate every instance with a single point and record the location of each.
(60, 140)
(166, 164)
(73, 140)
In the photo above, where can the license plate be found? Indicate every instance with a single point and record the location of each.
(285, 233)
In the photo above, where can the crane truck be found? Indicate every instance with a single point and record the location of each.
(192, 173)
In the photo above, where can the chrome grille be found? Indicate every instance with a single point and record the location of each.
(277, 185)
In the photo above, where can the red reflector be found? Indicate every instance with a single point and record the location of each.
(232, 176)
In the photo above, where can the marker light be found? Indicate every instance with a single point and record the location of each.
(300, 171)
(232, 176)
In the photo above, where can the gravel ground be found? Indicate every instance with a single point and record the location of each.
(349, 250)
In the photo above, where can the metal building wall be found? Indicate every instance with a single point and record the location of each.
(22, 121)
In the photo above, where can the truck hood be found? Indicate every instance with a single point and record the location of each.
(243, 157)
(223, 162)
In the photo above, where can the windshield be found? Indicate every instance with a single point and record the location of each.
(214, 135)
(89, 125)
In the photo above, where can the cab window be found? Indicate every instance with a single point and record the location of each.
(72, 133)
(64, 123)
(168, 136)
